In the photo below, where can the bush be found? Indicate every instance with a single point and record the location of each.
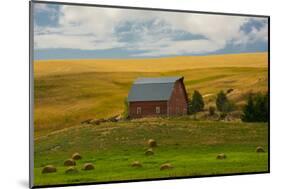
(197, 102)
(256, 109)
(212, 110)
(223, 115)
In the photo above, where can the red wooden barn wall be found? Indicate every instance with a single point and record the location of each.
(177, 104)
(148, 108)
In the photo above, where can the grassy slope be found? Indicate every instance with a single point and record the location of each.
(191, 146)
(68, 92)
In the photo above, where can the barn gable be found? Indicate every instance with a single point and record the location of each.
(152, 89)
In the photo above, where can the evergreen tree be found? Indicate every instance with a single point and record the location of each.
(249, 110)
(256, 109)
(189, 110)
(221, 101)
(223, 104)
(197, 102)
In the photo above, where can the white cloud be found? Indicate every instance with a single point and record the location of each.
(41, 7)
(93, 28)
(253, 36)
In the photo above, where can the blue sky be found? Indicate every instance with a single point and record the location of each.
(76, 32)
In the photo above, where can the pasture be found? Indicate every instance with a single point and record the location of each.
(190, 146)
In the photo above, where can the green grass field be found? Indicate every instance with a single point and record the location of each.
(190, 146)
(69, 92)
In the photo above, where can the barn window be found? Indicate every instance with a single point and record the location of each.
(157, 109)
(138, 110)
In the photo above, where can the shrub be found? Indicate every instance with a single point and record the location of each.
(223, 115)
(197, 102)
(212, 110)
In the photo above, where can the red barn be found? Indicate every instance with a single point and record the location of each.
(163, 96)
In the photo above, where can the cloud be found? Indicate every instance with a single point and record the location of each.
(153, 33)
(41, 7)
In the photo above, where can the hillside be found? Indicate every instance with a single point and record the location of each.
(190, 146)
(70, 91)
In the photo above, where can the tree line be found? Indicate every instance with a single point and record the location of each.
(255, 110)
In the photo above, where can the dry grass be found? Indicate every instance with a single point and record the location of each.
(69, 92)
(58, 67)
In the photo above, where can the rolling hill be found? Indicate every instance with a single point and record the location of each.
(70, 91)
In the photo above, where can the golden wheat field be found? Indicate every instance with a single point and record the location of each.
(256, 60)
(70, 91)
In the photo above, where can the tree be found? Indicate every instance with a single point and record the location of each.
(249, 110)
(256, 109)
(197, 102)
(221, 100)
(189, 110)
(223, 104)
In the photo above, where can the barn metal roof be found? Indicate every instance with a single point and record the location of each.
(152, 89)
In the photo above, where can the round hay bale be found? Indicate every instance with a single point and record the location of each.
(149, 152)
(136, 164)
(71, 170)
(69, 162)
(166, 166)
(260, 149)
(76, 156)
(152, 143)
(88, 166)
(221, 156)
(49, 169)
